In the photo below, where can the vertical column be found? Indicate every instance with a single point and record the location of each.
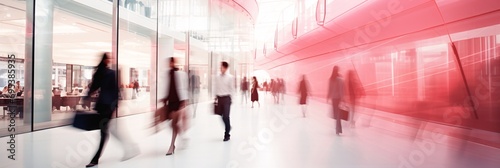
(28, 68)
(56, 77)
(188, 51)
(165, 50)
(188, 38)
(125, 75)
(125, 80)
(209, 73)
(40, 61)
(69, 78)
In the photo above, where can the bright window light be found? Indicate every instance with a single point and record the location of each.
(67, 29)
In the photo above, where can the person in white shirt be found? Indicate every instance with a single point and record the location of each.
(224, 87)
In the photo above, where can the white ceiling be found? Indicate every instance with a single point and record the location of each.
(78, 40)
(270, 12)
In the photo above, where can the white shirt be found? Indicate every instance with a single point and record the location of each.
(181, 81)
(224, 85)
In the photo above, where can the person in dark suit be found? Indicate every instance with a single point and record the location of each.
(244, 90)
(105, 79)
(304, 92)
(335, 94)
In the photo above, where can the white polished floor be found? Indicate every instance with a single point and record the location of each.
(274, 136)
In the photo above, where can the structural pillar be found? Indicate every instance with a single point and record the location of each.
(39, 63)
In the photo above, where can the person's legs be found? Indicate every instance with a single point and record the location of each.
(175, 130)
(184, 126)
(226, 106)
(246, 96)
(351, 115)
(195, 100)
(336, 111)
(104, 124)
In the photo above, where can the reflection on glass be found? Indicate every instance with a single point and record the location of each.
(12, 73)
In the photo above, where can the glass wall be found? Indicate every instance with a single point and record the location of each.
(136, 57)
(14, 119)
(54, 60)
(74, 36)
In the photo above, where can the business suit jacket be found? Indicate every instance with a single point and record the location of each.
(181, 79)
(107, 83)
(335, 88)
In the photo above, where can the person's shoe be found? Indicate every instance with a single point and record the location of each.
(91, 164)
(226, 139)
(170, 153)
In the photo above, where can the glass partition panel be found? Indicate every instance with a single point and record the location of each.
(70, 38)
(14, 118)
(136, 57)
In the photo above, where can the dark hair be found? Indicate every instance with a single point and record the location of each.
(335, 72)
(225, 64)
(255, 79)
(172, 60)
(102, 66)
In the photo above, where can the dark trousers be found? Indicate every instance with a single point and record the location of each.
(225, 105)
(106, 112)
(336, 115)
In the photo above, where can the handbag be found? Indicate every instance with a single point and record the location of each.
(86, 120)
(160, 115)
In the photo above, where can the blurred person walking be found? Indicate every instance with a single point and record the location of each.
(266, 86)
(303, 92)
(274, 90)
(105, 79)
(136, 87)
(244, 90)
(335, 94)
(282, 89)
(176, 102)
(194, 83)
(255, 91)
(224, 89)
(354, 92)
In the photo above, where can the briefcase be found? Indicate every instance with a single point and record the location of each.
(344, 114)
(344, 111)
(86, 120)
(217, 110)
